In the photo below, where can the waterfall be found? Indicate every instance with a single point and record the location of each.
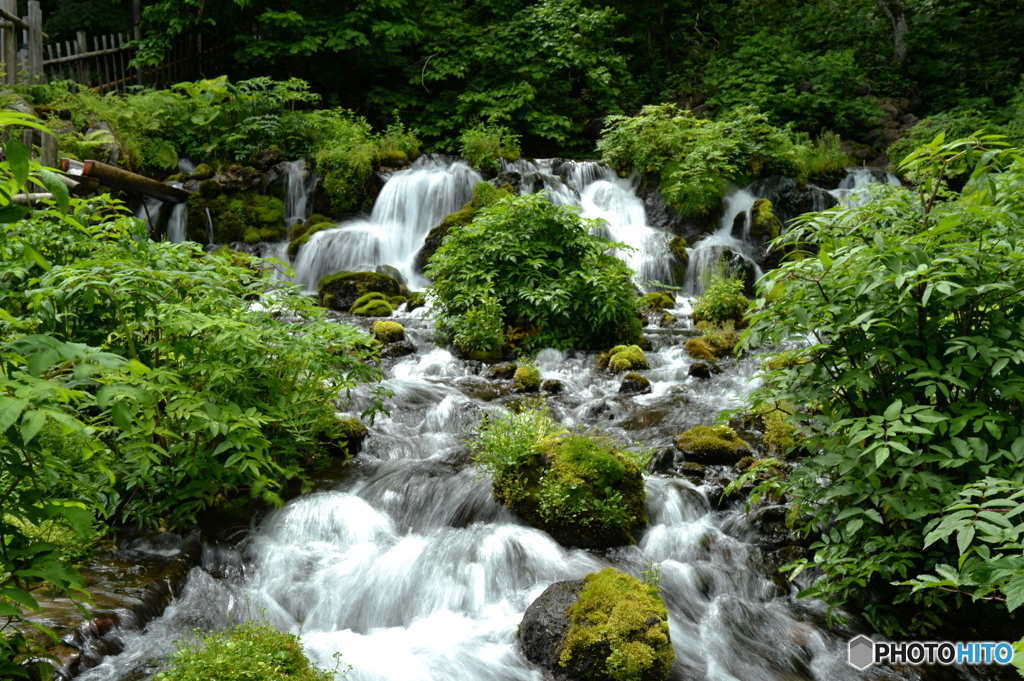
(209, 227)
(299, 184)
(706, 253)
(186, 166)
(851, 188)
(411, 203)
(178, 223)
(149, 212)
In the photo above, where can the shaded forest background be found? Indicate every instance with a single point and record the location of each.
(551, 70)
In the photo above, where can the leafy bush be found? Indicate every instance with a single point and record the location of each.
(695, 157)
(822, 157)
(485, 144)
(722, 301)
(551, 279)
(245, 652)
(953, 124)
(909, 386)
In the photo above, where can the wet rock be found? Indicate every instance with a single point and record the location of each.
(393, 273)
(190, 186)
(552, 385)
(508, 178)
(340, 290)
(712, 445)
(692, 469)
(545, 625)
(504, 371)
(634, 384)
(399, 349)
(663, 461)
(265, 158)
(700, 370)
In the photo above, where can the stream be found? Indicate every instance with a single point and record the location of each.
(403, 563)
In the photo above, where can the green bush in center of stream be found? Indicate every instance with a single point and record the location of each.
(530, 270)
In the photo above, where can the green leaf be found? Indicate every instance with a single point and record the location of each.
(122, 415)
(18, 158)
(1015, 592)
(893, 411)
(12, 213)
(55, 186)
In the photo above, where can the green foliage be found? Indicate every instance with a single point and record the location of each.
(910, 389)
(546, 271)
(620, 626)
(722, 301)
(244, 652)
(822, 157)
(583, 490)
(485, 144)
(695, 157)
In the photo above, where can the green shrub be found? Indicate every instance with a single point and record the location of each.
(619, 630)
(582, 490)
(820, 158)
(722, 301)
(485, 144)
(244, 652)
(552, 280)
(909, 389)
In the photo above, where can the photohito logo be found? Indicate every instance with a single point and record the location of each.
(863, 652)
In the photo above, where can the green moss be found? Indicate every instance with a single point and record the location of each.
(581, 490)
(657, 300)
(415, 300)
(299, 240)
(388, 332)
(340, 290)
(392, 159)
(681, 259)
(485, 355)
(763, 223)
(712, 445)
(618, 630)
(666, 320)
(397, 300)
(247, 217)
(210, 189)
(203, 172)
(716, 343)
(366, 298)
(624, 358)
(527, 379)
(243, 652)
(374, 308)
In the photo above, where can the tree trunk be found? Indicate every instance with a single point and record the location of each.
(893, 11)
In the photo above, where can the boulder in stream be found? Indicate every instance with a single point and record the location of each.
(712, 445)
(607, 626)
(339, 291)
(634, 384)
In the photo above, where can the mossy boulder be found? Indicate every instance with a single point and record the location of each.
(388, 332)
(634, 384)
(246, 216)
(392, 159)
(713, 345)
(301, 233)
(712, 445)
(503, 371)
(526, 379)
(764, 226)
(484, 194)
(580, 490)
(680, 259)
(622, 358)
(340, 290)
(373, 308)
(657, 300)
(415, 300)
(609, 626)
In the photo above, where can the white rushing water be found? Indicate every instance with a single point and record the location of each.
(299, 186)
(723, 242)
(178, 222)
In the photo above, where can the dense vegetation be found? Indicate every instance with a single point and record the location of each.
(909, 394)
(144, 382)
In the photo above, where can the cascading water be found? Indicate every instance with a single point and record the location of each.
(408, 568)
(410, 204)
(709, 251)
(178, 222)
(856, 179)
(299, 186)
(150, 212)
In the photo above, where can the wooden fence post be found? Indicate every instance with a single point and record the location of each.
(35, 43)
(82, 46)
(48, 151)
(10, 46)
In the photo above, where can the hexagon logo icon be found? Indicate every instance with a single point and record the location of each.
(862, 652)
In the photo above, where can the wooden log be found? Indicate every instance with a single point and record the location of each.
(77, 182)
(10, 46)
(117, 178)
(84, 76)
(35, 44)
(29, 199)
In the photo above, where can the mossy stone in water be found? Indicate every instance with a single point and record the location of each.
(526, 379)
(302, 233)
(618, 631)
(579, 490)
(373, 308)
(484, 194)
(388, 332)
(623, 358)
(712, 445)
(340, 290)
(415, 300)
(763, 223)
(657, 300)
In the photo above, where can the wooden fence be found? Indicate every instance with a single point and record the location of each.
(100, 62)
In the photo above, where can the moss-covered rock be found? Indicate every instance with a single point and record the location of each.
(246, 216)
(484, 195)
(397, 300)
(657, 300)
(301, 234)
(634, 384)
(340, 290)
(714, 344)
(415, 300)
(680, 259)
(388, 332)
(581, 491)
(764, 226)
(526, 379)
(392, 159)
(503, 371)
(622, 358)
(712, 445)
(373, 308)
(618, 631)
(667, 320)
